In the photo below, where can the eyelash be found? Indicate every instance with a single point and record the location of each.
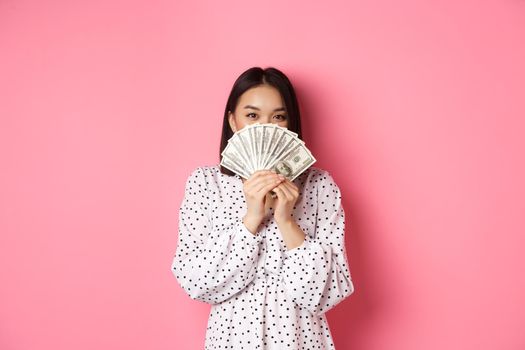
(284, 117)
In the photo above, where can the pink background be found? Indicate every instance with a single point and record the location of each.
(416, 108)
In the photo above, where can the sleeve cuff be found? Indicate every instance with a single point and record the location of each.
(246, 234)
(297, 250)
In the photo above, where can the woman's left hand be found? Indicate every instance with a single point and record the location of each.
(287, 194)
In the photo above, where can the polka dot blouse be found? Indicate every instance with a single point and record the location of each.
(262, 295)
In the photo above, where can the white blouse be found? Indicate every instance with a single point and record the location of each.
(262, 295)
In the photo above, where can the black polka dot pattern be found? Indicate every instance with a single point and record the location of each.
(263, 296)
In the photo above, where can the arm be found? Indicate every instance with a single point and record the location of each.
(211, 265)
(316, 273)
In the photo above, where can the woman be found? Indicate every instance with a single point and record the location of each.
(270, 267)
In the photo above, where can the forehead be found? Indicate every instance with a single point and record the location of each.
(262, 96)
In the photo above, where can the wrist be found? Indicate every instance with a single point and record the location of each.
(288, 222)
(252, 224)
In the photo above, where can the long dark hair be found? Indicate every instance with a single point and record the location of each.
(253, 77)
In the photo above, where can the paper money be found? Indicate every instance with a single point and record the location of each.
(266, 146)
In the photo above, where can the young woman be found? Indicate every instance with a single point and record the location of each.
(270, 267)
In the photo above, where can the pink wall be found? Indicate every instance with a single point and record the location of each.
(416, 108)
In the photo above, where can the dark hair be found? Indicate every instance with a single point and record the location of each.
(253, 77)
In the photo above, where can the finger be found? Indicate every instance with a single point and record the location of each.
(258, 175)
(259, 183)
(291, 186)
(287, 195)
(261, 172)
(279, 192)
(265, 187)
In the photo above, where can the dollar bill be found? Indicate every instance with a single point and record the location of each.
(266, 146)
(267, 133)
(255, 138)
(233, 155)
(285, 142)
(229, 164)
(241, 144)
(294, 162)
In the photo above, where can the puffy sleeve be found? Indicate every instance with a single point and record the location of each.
(316, 273)
(212, 262)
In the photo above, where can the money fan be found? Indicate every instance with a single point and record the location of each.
(266, 146)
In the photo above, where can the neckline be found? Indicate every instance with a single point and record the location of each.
(218, 167)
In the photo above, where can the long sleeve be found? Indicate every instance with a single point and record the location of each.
(213, 261)
(316, 274)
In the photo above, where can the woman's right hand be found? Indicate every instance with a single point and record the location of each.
(255, 189)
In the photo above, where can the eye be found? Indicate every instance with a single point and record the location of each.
(249, 114)
(281, 117)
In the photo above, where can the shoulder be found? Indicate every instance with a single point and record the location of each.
(319, 181)
(204, 170)
(318, 176)
(203, 175)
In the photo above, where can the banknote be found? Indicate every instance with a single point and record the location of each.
(266, 146)
(233, 157)
(294, 162)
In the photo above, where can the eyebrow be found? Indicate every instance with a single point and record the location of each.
(275, 110)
